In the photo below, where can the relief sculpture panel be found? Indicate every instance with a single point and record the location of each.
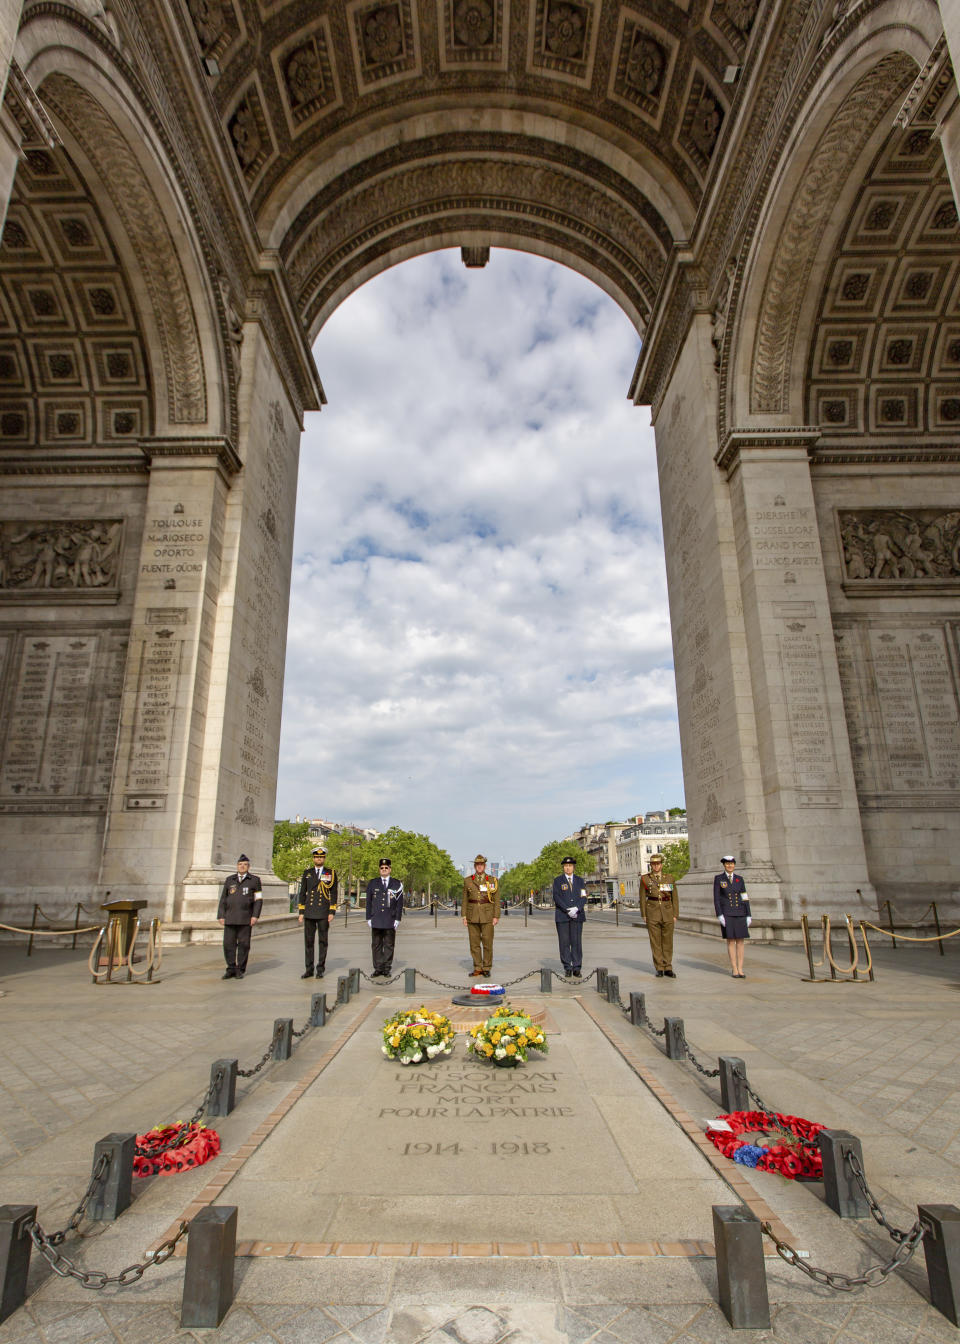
(907, 548)
(69, 556)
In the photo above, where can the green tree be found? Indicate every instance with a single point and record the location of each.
(351, 857)
(676, 811)
(538, 875)
(291, 849)
(676, 858)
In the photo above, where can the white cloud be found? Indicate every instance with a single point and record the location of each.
(478, 531)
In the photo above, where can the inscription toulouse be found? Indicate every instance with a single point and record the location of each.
(177, 546)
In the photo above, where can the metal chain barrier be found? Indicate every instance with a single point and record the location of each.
(574, 979)
(382, 982)
(700, 1068)
(99, 1278)
(250, 1073)
(896, 1233)
(183, 1130)
(47, 1243)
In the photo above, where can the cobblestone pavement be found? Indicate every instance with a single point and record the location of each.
(78, 1061)
(833, 1323)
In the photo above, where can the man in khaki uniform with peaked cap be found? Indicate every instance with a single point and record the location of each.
(481, 911)
(660, 907)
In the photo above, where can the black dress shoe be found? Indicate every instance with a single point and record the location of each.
(240, 974)
(228, 975)
(474, 974)
(671, 974)
(659, 975)
(320, 975)
(306, 975)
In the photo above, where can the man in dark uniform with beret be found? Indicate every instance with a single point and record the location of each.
(239, 909)
(317, 906)
(384, 913)
(570, 900)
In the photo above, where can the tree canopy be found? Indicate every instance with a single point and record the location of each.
(417, 861)
(676, 858)
(537, 875)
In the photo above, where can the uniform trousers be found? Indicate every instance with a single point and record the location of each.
(318, 929)
(481, 944)
(236, 946)
(660, 931)
(382, 943)
(570, 936)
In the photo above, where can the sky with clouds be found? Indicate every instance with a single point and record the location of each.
(478, 540)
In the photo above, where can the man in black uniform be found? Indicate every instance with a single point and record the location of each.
(384, 913)
(317, 905)
(238, 911)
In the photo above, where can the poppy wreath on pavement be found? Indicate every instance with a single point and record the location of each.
(198, 1146)
(795, 1153)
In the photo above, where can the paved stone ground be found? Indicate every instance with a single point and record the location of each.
(880, 1060)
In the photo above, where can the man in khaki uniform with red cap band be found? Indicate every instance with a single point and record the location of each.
(659, 907)
(481, 911)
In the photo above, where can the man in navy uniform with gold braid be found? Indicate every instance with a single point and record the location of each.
(317, 905)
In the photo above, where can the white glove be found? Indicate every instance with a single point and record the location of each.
(572, 912)
(749, 920)
(369, 923)
(723, 921)
(396, 923)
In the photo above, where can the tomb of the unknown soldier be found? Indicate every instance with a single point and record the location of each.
(768, 190)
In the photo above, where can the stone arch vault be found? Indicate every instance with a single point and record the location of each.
(767, 187)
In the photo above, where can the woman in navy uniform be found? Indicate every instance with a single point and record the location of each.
(733, 911)
(384, 913)
(570, 899)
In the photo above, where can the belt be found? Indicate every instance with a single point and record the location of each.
(484, 900)
(659, 898)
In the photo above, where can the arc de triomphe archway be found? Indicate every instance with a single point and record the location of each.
(767, 187)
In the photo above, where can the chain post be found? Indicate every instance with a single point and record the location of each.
(15, 1247)
(282, 1037)
(676, 1042)
(733, 1084)
(354, 979)
(638, 1008)
(741, 1273)
(546, 980)
(613, 989)
(208, 1275)
(601, 974)
(936, 921)
(318, 1010)
(410, 980)
(890, 918)
(223, 1087)
(343, 989)
(115, 1189)
(941, 1246)
(841, 1190)
(807, 945)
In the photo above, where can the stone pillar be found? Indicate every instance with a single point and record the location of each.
(718, 729)
(195, 782)
(9, 130)
(812, 811)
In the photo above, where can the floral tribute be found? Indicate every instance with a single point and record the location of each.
(507, 1036)
(198, 1144)
(416, 1035)
(795, 1152)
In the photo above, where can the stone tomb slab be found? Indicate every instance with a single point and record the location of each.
(571, 1146)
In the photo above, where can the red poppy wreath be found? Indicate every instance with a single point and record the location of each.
(794, 1152)
(198, 1145)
